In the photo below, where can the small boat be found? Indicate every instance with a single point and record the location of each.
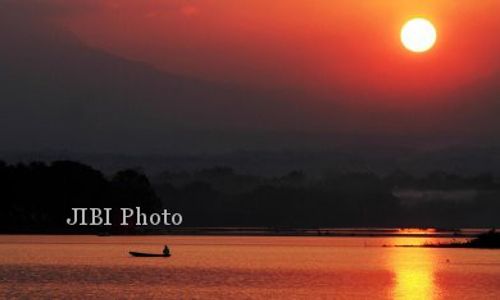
(140, 254)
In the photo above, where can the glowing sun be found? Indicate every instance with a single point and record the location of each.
(418, 35)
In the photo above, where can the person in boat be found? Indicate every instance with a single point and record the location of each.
(166, 251)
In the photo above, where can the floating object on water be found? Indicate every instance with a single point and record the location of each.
(140, 254)
(166, 253)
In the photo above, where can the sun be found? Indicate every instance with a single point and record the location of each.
(418, 35)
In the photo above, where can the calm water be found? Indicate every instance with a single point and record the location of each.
(243, 268)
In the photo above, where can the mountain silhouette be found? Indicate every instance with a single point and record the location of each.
(60, 94)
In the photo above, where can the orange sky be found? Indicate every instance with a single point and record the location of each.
(326, 66)
(350, 47)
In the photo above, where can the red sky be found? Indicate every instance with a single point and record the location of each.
(321, 46)
(326, 65)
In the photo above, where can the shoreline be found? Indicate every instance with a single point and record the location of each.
(256, 231)
(487, 240)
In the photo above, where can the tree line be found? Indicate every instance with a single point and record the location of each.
(38, 197)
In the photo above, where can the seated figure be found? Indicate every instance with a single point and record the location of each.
(166, 251)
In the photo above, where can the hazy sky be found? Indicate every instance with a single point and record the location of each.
(316, 66)
(319, 45)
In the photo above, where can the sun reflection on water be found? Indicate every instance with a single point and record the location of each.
(414, 270)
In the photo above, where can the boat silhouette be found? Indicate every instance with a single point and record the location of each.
(141, 254)
(165, 253)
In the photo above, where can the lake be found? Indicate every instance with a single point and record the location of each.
(228, 267)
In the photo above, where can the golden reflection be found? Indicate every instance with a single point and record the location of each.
(417, 230)
(414, 273)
